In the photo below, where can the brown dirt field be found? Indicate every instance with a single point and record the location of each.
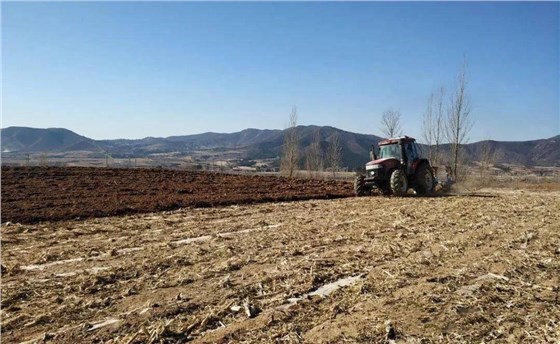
(457, 269)
(30, 195)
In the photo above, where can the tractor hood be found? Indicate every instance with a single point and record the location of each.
(386, 163)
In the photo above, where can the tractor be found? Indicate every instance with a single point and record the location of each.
(397, 168)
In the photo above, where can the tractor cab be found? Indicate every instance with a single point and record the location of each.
(398, 166)
(400, 153)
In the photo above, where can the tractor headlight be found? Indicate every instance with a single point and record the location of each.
(374, 170)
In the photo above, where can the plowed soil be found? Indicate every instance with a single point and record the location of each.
(30, 195)
(457, 269)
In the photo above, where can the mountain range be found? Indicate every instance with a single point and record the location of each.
(257, 144)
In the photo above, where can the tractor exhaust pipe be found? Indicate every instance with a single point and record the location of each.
(372, 153)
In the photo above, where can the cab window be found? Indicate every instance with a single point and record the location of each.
(390, 151)
(411, 151)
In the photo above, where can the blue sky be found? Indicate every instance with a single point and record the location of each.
(136, 69)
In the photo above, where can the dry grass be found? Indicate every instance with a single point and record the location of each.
(455, 269)
(526, 181)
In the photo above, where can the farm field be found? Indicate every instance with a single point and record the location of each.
(459, 268)
(62, 193)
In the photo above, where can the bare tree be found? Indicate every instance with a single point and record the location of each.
(391, 123)
(459, 122)
(428, 127)
(334, 154)
(433, 125)
(487, 159)
(290, 155)
(314, 156)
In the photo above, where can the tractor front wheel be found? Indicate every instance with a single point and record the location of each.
(399, 183)
(360, 188)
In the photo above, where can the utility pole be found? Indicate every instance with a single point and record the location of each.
(107, 159)
(27, 159)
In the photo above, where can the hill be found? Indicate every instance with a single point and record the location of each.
(258, 144)
(252, 143)
(544, 152)
(23, 139)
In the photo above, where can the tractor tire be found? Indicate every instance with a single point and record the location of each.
(399, 183)
(424, 180)
(360, 188)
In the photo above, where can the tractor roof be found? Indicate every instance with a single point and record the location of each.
(403, 139)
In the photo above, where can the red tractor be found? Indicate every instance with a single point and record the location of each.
(398, 168)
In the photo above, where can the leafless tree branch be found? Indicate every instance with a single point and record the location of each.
(334, 154)
(290, 154)
(487, 160)
(314, 156)
(433, 125)
(391, 123)
(459, 122)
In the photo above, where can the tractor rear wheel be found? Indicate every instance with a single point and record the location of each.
(399, 183)
(360, 188)
(424, 180)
